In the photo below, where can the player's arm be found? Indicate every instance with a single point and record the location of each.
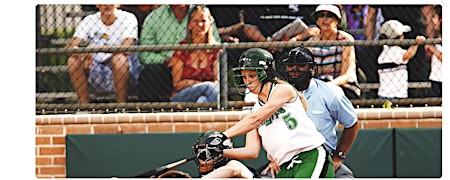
(249, 151)
(282, 94)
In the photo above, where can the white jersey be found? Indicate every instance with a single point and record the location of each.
(288, 132)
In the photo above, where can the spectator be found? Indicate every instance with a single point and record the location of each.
(195, 72)
(107, 72)
(392, 61)
(252, 17)
(327, 106)
(418, 17)
(278, 122)
(219, 167)
(436, 55)
(335, 64)
(240, 30)
(415, 16)
(355, 19)
(166, 25)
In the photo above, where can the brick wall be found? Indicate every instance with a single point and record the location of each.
(52, 129)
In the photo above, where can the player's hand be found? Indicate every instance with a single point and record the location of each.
(215, 144)
(271, 169)
(214, 148)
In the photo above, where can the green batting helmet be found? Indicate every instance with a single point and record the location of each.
(257, 59)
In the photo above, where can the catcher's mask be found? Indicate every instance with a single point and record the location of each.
(293, 70)
(205, 162)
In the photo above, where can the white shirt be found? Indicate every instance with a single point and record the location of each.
(95, 32)
(393, 81)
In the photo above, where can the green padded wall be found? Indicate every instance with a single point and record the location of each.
(128, 155)
(371, 155)
(376, 153)
(419, 152)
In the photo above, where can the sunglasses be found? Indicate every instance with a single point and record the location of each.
(328, 15)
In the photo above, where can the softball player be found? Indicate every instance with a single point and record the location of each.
(277, 121)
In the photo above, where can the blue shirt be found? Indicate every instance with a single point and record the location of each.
(327, 105)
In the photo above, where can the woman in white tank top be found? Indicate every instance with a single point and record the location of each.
(277, 122)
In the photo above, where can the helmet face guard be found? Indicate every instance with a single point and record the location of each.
(205, 161)
(239, 81)
(257, 59)
(288, 68)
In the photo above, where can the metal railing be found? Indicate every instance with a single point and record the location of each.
(223, 102)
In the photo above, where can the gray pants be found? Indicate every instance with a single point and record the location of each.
(343, 172)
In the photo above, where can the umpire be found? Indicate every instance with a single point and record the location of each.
(327, 106)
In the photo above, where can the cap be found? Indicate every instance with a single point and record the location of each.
(331, 8)
(393, 29)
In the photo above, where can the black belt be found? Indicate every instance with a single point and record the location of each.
(389, 65)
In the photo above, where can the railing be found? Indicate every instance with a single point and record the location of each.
(43, 107)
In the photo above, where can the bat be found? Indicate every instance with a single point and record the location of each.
(159, 170)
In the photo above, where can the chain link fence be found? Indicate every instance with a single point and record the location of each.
(154, 87)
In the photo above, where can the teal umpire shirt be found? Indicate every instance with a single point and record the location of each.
(161, 27)
(328, 105)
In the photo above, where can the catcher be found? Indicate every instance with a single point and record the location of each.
(219, 167)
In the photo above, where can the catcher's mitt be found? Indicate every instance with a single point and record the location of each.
(174, 174)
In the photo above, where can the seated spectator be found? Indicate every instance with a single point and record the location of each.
(195, 72)
(335, 64)
(104, 72)
(165, 25)
(392, 61)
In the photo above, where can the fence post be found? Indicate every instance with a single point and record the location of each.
(223, 79)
